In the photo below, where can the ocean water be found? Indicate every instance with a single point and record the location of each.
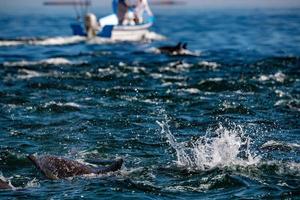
(222, 124)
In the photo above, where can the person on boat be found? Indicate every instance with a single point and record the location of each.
(91, 25)
(123, 6)
(130, 15)
(131, 12)
(142, 6)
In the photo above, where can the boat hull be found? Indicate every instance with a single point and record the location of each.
(130, 32)
(123, 33)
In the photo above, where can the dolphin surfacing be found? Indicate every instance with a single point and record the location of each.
(178, 49)
(55, 167)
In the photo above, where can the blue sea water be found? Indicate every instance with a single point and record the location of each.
(221, 125)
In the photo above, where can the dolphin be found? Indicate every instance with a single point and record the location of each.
(179, 49)
(4, 185)
(55, 167)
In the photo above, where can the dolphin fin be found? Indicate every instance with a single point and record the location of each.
(112, 168)
(179, 44)
(97, 161)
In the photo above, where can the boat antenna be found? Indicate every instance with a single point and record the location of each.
(78, 17)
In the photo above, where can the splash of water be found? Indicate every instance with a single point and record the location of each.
(34, 183)
(230, 147)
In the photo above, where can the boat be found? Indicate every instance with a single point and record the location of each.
(87, 24)
(112, 30)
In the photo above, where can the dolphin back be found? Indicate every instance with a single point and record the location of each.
(54, 167)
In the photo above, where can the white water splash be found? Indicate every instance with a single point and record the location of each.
(226, 149)
(34, 183)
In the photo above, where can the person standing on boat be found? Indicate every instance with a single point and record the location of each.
(123, 6)
(142, 6)
(131, 11)
(126, 12)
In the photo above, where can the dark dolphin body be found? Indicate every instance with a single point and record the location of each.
(54, 167)
(180, 48)
(4, 185)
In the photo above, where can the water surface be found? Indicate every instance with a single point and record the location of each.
(221, 125)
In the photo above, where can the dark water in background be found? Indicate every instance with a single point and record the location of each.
(221, 125)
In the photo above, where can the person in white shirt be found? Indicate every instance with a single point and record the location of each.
(131, 12)
(142, 6)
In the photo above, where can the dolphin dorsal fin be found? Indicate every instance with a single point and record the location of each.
(115, 166)
(184, 46)
(179, 44)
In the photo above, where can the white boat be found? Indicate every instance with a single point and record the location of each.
(130, 33)
(117, 32)
(109, 27)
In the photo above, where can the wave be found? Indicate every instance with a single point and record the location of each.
(190, 90)
(59, 107)
(54, 41)
(279, 145)
(49, 61)
(278, 77)
(28, 74)
(68, 104)
(293, 104)
(210, 65)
